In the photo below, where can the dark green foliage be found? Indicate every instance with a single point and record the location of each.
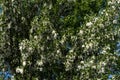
(59, 39)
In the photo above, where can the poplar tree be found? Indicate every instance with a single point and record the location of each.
(60, 39)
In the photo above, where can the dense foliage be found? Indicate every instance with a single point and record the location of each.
(60, 39)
